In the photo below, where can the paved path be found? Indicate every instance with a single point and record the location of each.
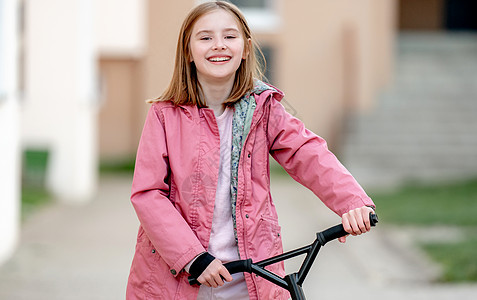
(84, 252)
(75, 252)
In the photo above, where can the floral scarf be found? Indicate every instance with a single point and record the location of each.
(242, 120)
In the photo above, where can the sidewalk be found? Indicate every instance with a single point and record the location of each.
(84, 252)
(75, 252)
(382, 264)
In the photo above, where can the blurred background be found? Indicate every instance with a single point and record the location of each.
(390, 84)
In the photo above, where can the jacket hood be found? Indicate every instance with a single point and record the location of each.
(264, 90)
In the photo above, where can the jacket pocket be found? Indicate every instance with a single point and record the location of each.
(270, 235)
(148, 269)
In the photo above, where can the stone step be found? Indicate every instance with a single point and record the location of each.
(425, 125)
(418, 122)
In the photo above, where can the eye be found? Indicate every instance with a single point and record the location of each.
(228, 37)
(205, 38)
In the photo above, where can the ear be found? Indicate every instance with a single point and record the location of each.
(247, 48)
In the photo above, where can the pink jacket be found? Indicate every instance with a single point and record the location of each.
(173, 192)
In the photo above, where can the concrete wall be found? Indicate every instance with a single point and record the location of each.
(121, 33)
(120, 28)
(9, 128)
(129, 81)
(335, 56)
(60, 108)
(164, 21)
(121, 116)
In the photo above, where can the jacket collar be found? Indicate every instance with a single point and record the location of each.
(261, 90)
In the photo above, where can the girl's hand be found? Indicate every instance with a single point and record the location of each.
(215, 274)
(356, 221)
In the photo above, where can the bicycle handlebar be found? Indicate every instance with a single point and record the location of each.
(323, 237)
(236, 266)
(338, 231)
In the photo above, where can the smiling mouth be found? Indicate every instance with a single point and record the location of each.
(219, 59)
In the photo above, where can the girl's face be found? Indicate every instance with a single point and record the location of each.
(217, 47)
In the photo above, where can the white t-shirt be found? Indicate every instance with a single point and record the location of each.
(222, 243)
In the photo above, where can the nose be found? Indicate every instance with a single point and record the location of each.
(219, 45)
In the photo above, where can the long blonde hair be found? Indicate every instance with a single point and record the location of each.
(184, 88)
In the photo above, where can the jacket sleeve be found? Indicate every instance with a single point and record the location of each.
(170, 234)
(305, 156)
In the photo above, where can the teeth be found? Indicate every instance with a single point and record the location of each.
(219, 59)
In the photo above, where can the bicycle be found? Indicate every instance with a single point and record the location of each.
(292, 282)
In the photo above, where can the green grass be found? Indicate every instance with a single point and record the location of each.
(444, 204)
(277, 171)
(119, 166)
(458, 259)
(32, 199)
(34, 194)
(453, 204)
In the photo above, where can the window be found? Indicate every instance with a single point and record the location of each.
(262, 15)
(268, 53)
(250, 3)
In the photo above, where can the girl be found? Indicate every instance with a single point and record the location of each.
(201, 185)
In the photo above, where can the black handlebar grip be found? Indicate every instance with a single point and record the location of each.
(233, 267)
(373, 219)
(193, 280)
(331, 233)
(239, 266)
(338, 230)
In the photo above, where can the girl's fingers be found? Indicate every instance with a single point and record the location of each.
(206, 280)
(214, 275)
(346, 224)
(357, 221)
(361, 227)
(365, 215)
(354, 224)
(225, 275)
(210, 281)
(342, 239)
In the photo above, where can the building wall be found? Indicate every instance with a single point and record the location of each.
(120, 34)
(120, 28)
(330, 58)
(59, 109)
(421, 14)
(164, 20)
(121, 108)
(425, 15)
(9, 128)
(130, 78)
(335, 56)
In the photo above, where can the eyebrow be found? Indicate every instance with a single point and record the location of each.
(210, 31)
